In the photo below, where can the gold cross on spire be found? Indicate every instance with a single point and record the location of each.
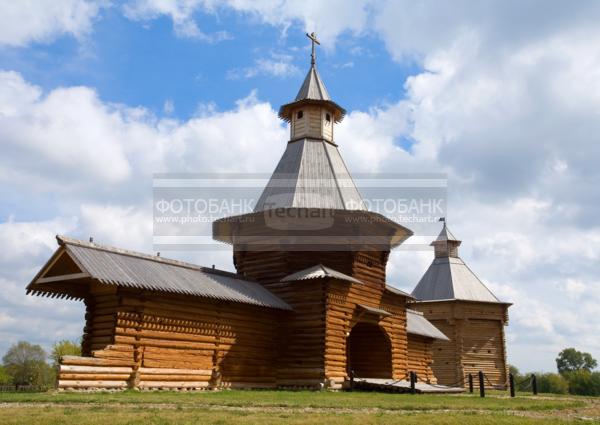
(313, 39)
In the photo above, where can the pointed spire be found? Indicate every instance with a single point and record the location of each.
(312, 87)
(446, 244)
(445, 234)
(312, 91)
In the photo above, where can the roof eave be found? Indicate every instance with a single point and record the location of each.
(285, 112)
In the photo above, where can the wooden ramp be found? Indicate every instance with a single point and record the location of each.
(400, 386)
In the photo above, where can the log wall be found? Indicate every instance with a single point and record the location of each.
(330, 308)
(170, 341)
(420, 358)
(477, 340)
(302, 335)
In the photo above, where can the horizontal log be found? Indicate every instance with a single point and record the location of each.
(175, 378)
(174, 384)
(92, 384)
(91, 361)
(172, 371)
(94, 376)
(94, 369)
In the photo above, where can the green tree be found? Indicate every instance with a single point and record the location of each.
(26, 363)
(571, 360)
(5, 378)
(582, 382)
(552, 383)
(64, 348)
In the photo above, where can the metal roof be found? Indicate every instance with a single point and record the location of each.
(129, 269)
(397, 291)
(449, 278)
(317, 272)
(374, 310)
(417, 324)
(311, 174)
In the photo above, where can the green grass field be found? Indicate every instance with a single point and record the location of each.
(302, 407)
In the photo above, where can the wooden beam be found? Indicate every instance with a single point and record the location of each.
(62, 277)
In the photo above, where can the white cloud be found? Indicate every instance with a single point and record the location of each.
(327, 18)
(278, 65)
(26, 21)
(181, 12)
(574, 288)
(117, 225)
(30, 239)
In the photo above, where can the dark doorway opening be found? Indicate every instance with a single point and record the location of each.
(369, 352)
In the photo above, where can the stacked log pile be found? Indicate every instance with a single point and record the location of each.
(88, 372)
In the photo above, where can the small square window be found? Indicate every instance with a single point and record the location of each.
(328, 117)
(299, 115)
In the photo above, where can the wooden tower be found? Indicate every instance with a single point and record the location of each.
(453, 298)
(312, 242)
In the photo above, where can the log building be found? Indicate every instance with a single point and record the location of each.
(453, 298)
(308, 306)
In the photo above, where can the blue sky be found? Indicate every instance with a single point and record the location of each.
(149, 65)
(96, 96)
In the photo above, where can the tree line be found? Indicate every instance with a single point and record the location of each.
(26, 364)
(575, 375)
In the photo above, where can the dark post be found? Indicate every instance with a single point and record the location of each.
(471, 383)
(481, 385)
(534, 384)
(413, 379)
(511, 383)
(351, 379)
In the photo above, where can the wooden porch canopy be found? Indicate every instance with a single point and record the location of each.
(77, 264)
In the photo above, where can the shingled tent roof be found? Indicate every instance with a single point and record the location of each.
(311, 174)
(449, 278)
(129, 269)
(445, 235)
(313, 87)
(312, 91)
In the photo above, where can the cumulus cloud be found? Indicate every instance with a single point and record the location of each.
(328, 18)
(277, 65)
(181, 12)
(26, 21)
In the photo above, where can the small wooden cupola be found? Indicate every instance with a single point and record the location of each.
(312, 114)
(446, 245)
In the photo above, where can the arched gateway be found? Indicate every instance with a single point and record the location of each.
(369, 352)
